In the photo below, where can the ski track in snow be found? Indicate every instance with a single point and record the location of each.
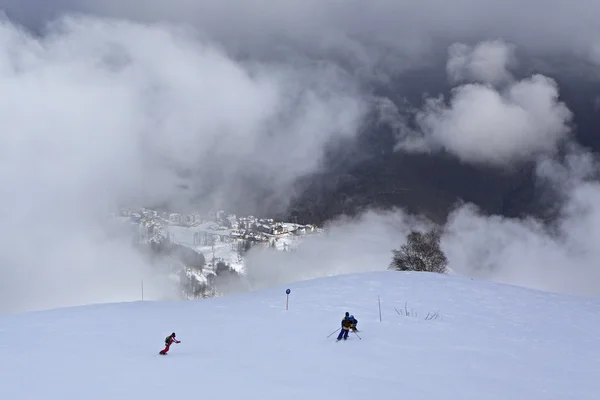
(495, 342)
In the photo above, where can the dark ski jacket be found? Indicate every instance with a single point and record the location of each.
(170, 339)
(348, 322)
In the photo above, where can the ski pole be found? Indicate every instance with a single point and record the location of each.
(333, 332)
(357, 335)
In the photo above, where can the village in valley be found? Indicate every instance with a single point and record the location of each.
(219, 238)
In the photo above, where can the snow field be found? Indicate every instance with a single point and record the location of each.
(492, 342)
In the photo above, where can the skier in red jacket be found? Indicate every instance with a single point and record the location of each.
(168, 340)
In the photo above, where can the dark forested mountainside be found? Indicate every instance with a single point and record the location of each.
(426, 185)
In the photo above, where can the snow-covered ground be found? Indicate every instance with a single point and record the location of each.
(490, 342)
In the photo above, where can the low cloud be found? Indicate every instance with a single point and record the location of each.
(516, 122)
(100, 113)
(487, 62)
(557, 256)
(560, 256)
(348, 245)
(225, 104)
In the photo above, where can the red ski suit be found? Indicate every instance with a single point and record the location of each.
(168, 341)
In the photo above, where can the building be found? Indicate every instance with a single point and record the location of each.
(175, 218)
(187, 219)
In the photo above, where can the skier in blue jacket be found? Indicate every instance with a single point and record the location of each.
(348, 322)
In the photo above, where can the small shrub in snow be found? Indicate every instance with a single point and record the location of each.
(406, 312)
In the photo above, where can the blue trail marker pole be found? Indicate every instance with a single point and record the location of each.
(287, 298)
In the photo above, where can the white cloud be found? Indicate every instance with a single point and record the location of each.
(349, 245)
(487, 62)
(481, 124)
(98, 113)
(562, 258)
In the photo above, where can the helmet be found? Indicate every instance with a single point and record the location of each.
(173, 334)
(347, 313)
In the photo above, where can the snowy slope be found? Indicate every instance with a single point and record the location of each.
(494, 342)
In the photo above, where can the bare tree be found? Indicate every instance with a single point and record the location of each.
(421, 252)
